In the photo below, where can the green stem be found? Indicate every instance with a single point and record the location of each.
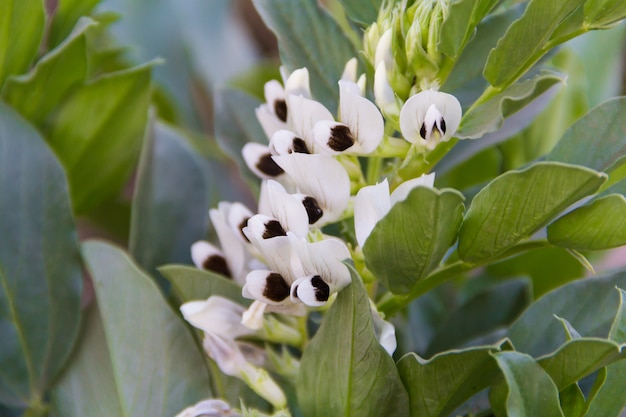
(374, 165)
(390, 304)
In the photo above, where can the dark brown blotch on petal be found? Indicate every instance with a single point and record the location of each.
(268, 166)
(280, 109)
(322, 290)
(276, 288)
(442, 124)
(340, 138)
(298, 146)
(217, 263)
(313, 209)
(423, 131)
(272, 229)
(243, 224)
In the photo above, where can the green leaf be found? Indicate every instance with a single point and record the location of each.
(22, 23)
(609, 399)
(309, 37)
(603, 13)
(358, 378)
(66, 14)
(460, 25)
(488, 310)
(618, 328)
(98, 134)
(518, 203)
(191, 283)
(157, 366)
(36, 94)
(526, 40)
(572, 401)
(362, 12)
(529, 390)
(598, 225)
(578, 358)
(489, 115)
(596, 140)
(171, 200)
(538, 333)
(40, 266)
(413, 237)
(85, 389)
(439, 385)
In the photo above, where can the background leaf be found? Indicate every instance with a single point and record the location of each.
(438, 386)
(413, 237)
(157, 366)
(516, 204)
(309, 37)
(191, 283)
(362, 12)
(530, 391)
(40, 267)
(171, 200)
(596, 140)
(98, 132)
(65, 17)
(22, 23)
(354, 379)
(460, 25)
(36, 94)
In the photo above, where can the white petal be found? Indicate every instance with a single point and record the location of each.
(273, 91)
(252, 318)
(325, 258)
(385, 332)
(258, 158)
(403, 190)
(268, 287)
(321, 177)
(334, 137)
(277, 253)
(209, 408)
(383, 49)
(312, 291)
(298, 83)
(370, 205)
(237, 217)
(216, 315)
(304, 113)
(285, 142)
(201, 251)
(230, 240)
(225, 353)
(268, 120)
(287, 209)
(416, 108)
(264, 227)
(362, 83)
(349, 70)
(383, 93)
(362, 116)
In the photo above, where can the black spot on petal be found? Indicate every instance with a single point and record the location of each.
(442, 124)
(340, 138)
(322, 290)
(299, 146)
(313, 209)
(280, 109)
(243, 224)
(272, 229)
(217, 263)
(276, 288)
(268, 166)
(423, 131)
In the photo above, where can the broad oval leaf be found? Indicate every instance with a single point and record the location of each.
(360, 11)
(538, 332)
(598, 225)
(37, 93)
(597, 139)
(22, 23)
(98, 133)
(529, 390)
(309, 37)
(518, 203)
(191, 283)
(157, 366)
(358, 378)
(489, 116)
(525, 41)
(460, 25)
(40, 266)
(439, 385)
(413, 237)
(171, 200)
(603, 13)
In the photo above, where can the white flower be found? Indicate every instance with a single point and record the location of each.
(258, 158)
(209, 408)
(361, 128)
(304, 115)
(383, 92)
(321, 178)
(430, 117)
(373, 202)
(384, 331)
(288, 209)
(232, 261)
(350, 74)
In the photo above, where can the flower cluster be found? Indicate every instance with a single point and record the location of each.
(312, 174)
